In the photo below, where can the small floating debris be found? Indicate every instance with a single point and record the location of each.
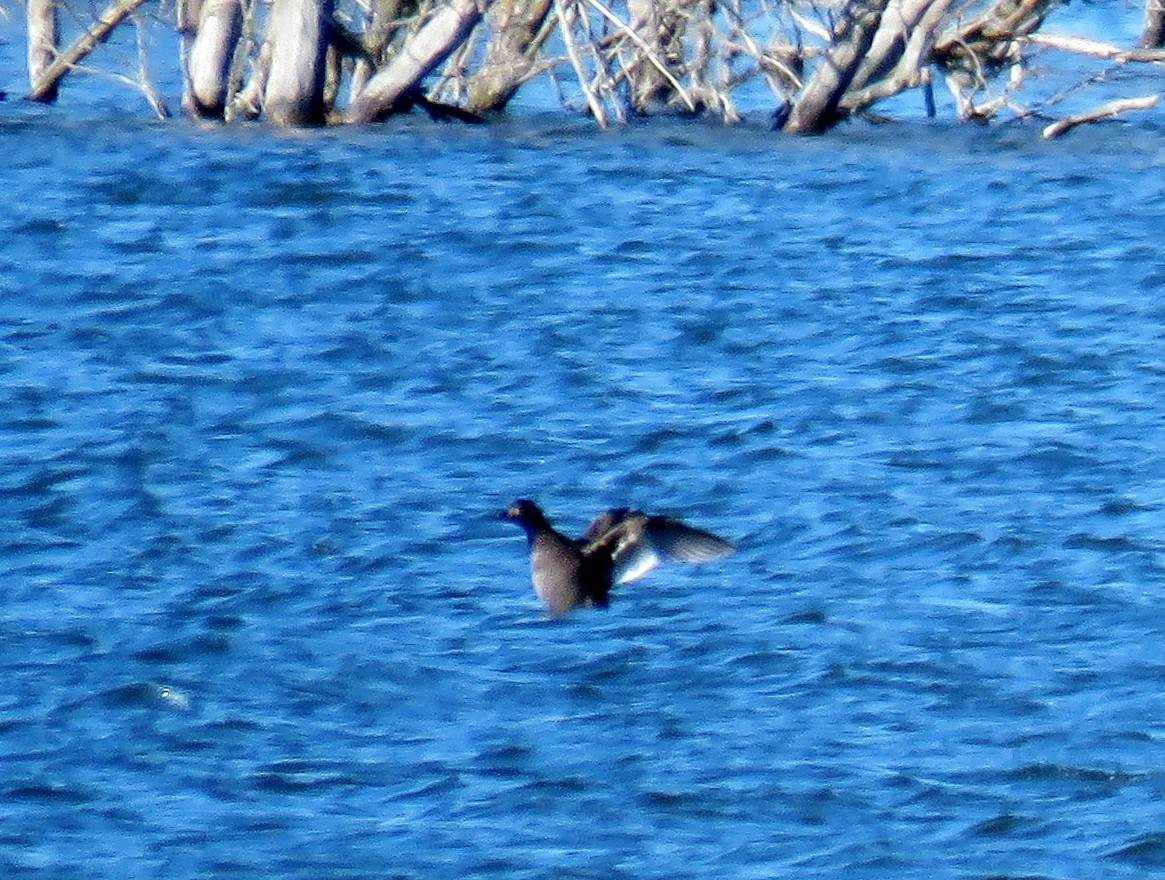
(149, 693)
(173, 697)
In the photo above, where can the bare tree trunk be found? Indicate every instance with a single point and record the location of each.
(447, 29)
(816, 107)
(187, 13)
(298, 35)
(515, 27)
(248, 103)
(333, 75)
(209, 65)
(43, 34)
(644, 18)
(1153, 32)
(110, 17)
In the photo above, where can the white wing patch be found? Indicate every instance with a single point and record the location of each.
(635, 561)
(658, 538)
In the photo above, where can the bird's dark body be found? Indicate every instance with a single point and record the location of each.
(620, 545)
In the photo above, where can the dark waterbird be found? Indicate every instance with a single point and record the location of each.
(619, 546)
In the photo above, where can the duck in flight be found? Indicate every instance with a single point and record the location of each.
(619, 546)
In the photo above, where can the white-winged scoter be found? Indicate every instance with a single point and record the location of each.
(619, 546)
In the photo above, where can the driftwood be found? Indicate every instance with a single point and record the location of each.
(1104, 111)
(44, 88)
(1095, 48)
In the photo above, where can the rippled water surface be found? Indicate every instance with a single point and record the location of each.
(261, 395)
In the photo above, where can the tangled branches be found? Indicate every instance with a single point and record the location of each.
(298, 62)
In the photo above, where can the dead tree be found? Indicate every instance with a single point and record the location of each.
(45, 85)
(662, 25)
(297, 32)
(43, 34)
(396, 83)
(517, 31)
(1153, 28)
(899, 56)
(816, 108)
(823, 60)
(210, 54)
(972, 51)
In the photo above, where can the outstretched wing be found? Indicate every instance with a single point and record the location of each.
(646, 541)
(603, 524)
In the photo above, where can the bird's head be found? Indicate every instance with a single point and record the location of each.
(526, 514)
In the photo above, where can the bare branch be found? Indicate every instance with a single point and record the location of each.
(1104, 111)
(1095, 48)
(566, 16)
(116, 12)
(651, 57)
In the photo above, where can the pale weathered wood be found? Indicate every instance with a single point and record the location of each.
(660, 24)
(648, 53)
(247, 104)
(47, 83)
(899, 53)
(1096, 48)
(567, 13)
(144, 81)
(297, 33)
(516, 33)
(1104, 111)
(43, 33)
(815, 109)
(394, 84)
(1153, 27)
(991, 39)
(211, 54)
(388, 17)
(187, 13)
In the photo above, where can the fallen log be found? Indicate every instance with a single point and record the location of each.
(1095, 48)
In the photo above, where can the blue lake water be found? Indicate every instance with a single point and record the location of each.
(261, 395)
